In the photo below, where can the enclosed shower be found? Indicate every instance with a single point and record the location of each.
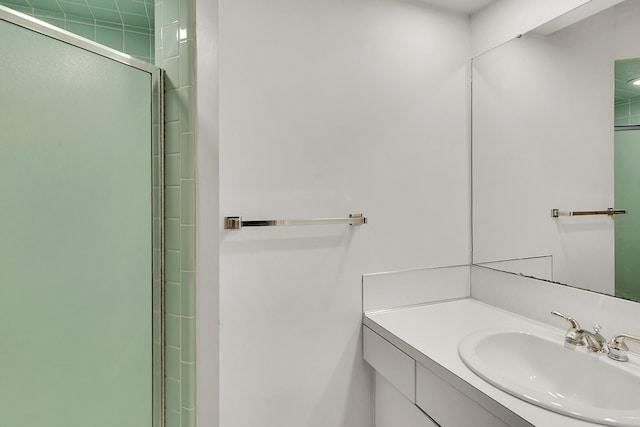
(80, 220)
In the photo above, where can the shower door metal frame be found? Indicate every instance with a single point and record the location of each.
(157, 191)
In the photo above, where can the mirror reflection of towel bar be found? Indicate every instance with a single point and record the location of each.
(236, 222)
(555, 213)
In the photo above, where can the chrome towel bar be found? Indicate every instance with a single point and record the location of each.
(555, 213)
(236, 222)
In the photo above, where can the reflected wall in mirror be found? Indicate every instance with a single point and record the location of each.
(627, 93)
(627, 177)
(543, 138)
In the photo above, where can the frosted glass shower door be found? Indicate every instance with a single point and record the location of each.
(75, 236)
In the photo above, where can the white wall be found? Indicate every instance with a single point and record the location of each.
(326, 108)
(207, 214)
(543, 139)
(503, 20)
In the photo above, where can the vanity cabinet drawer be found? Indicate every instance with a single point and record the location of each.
(448, 406)
(393, 364)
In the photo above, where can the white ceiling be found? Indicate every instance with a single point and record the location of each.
(465, 6)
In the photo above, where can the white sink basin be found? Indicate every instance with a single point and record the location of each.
(541, 371)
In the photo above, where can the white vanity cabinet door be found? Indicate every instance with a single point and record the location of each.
(398, 368)
(394, 410)
(448, 406)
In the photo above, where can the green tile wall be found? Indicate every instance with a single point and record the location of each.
(137, 41)
(175, 53)
(135, 13)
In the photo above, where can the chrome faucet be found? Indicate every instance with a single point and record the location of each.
(576, 336)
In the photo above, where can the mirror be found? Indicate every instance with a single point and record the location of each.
(543, 138)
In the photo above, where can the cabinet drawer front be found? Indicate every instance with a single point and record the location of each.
(448, 406)
(398, 368)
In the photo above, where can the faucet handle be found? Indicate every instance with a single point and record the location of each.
(596, 343)
(596, 329)
(618, 348)
(573, 337)
(574, 323)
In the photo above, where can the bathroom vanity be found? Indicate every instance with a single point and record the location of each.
(414, 350)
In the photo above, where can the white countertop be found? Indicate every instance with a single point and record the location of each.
(430, 334)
